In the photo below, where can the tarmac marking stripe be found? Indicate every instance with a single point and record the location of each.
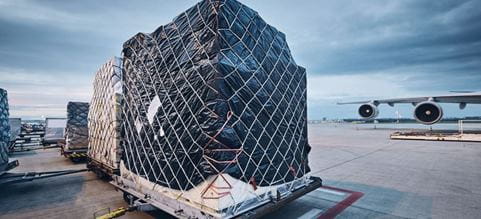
(313, 213)
(332, 192)
(341, 206)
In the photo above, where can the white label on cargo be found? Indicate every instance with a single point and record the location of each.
(138, 125)
(162, 133)
(154, 106)
(118, 87)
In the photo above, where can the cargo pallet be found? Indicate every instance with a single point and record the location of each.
(27, 142)
(76, 156)
(103, 171)
(140, 199)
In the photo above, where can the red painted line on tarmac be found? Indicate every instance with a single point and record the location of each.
(342, 205)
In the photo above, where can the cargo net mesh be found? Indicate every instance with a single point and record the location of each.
(214, 92)
(104, 115)
(4, 128)
(76, 131)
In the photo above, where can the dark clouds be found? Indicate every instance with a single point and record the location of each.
(47, 48)
(72, 36)
(410, 47)
(412, 34)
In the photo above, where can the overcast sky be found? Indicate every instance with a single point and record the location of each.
(352, 50)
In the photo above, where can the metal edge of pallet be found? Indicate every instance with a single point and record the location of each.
(81, 150)
(31, 135)
(52, 141)
(273, 206)
(75, 151)
(92, 163)
(8, 166)
(166, 204)
(188, 210)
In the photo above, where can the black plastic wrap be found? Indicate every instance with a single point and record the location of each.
(76, 131)
(4, 128)
(215, 91)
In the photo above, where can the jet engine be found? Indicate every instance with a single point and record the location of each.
(368, 111)
(428, 112)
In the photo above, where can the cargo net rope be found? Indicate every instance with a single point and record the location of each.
(76, 131)
(104, 115)
(4, 128)
(214, 92)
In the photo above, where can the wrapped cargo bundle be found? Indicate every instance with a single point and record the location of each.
(215, 109)
(76, 131)
(54, 130)
(4, 129)
(104, 115)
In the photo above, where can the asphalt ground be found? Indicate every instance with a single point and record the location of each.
(366, 175)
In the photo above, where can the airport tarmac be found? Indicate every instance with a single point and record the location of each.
(398, 179)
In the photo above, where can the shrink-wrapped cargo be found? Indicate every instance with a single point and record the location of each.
(76, 131)
(4, 129)
(104, 116)
(54, 130)
(215, 110)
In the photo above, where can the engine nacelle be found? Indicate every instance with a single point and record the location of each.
(428, 112)
(368, 111)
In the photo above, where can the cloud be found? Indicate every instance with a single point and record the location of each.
(382, 48)
(40, 94)
(37, 13)
(108, 17)
(351, 37)
(338, 88)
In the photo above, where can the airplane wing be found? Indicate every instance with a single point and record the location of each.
(465, 98)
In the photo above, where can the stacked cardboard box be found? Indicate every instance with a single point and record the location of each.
(104, 115)
(76, 131)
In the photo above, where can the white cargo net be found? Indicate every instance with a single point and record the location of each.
(214, 97)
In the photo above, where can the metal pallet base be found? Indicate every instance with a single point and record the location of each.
(6, 167)
(138, 200)
(103, 171)
(75, 156)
